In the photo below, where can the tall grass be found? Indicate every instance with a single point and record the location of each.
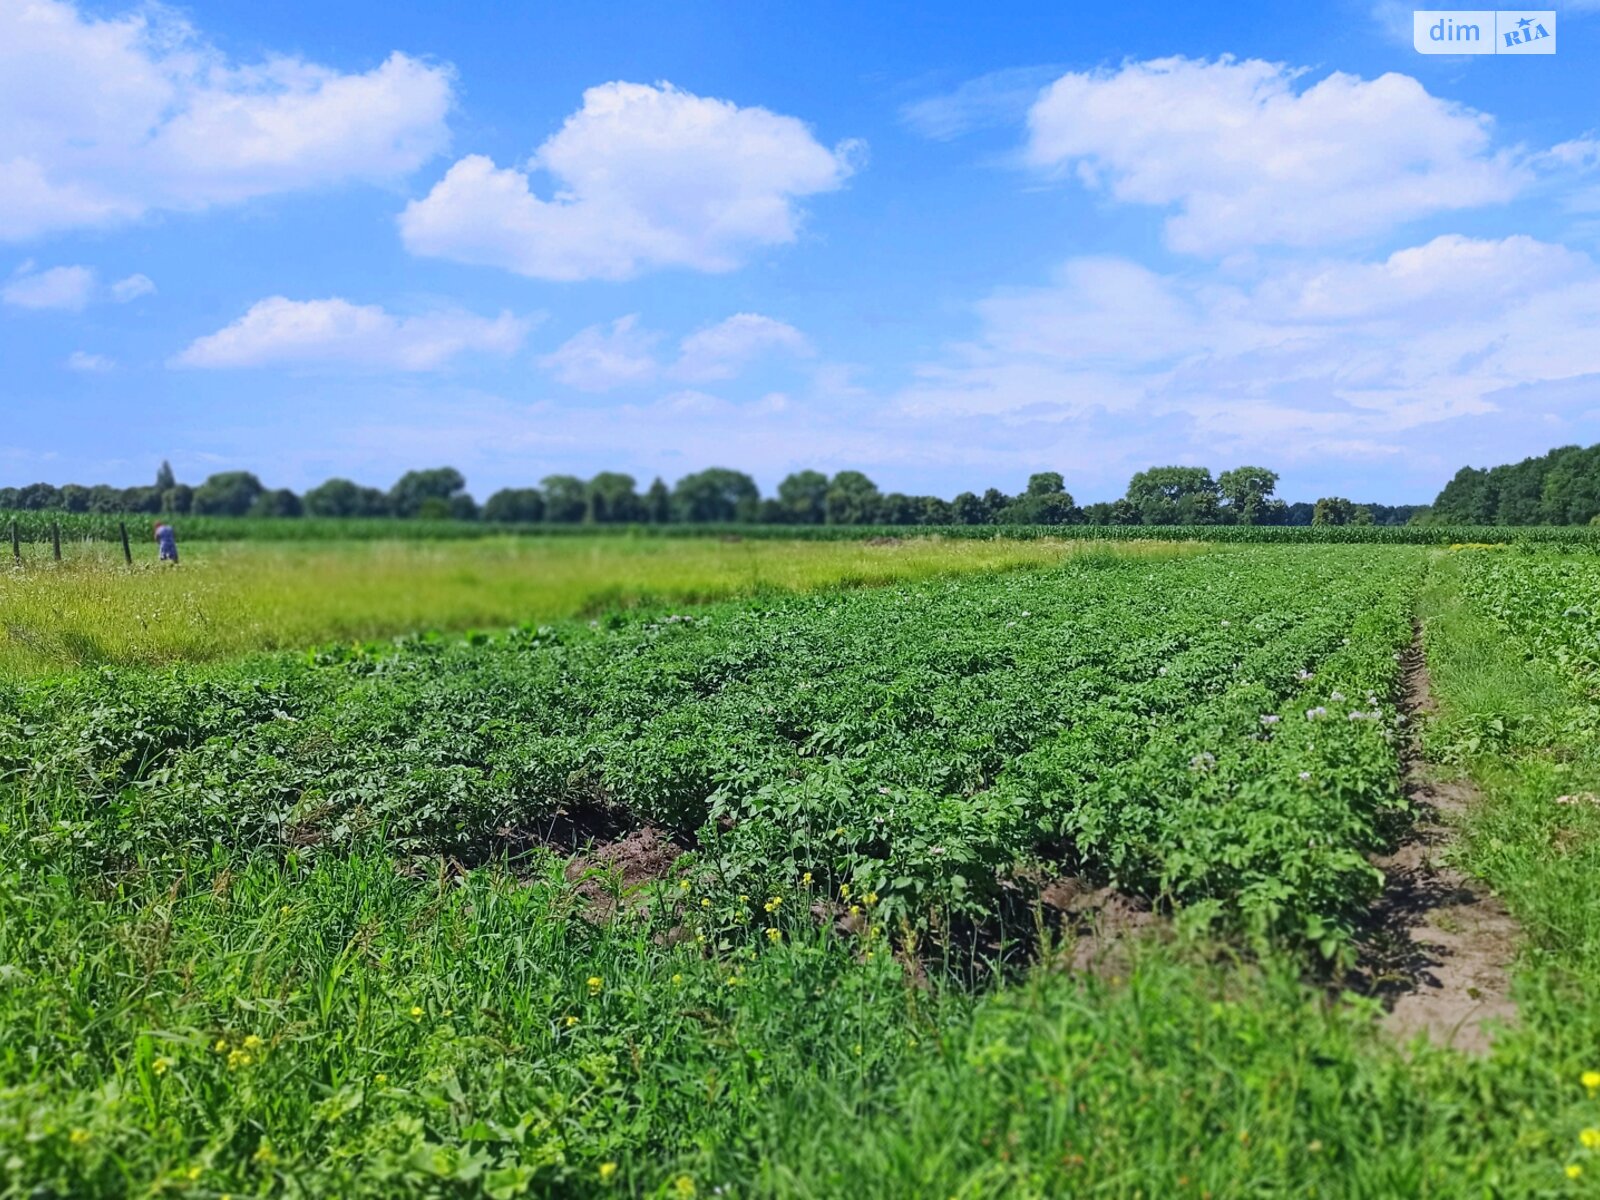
(231, 598)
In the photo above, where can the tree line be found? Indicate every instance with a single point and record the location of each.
(1159, 496)
(1558, 488)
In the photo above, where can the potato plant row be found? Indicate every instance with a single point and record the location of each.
(1213, 730)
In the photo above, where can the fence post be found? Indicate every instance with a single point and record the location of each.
(55, 538)
(16, 541)
(127, 553)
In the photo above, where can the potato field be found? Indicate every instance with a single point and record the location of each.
(1067, 874)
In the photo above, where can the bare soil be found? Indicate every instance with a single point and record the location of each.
(1437, 946)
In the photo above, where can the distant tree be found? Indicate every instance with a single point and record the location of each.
(1124, 513)
(178, 499)
(566, 499)
(897, 508)
(226, 494)
(611, 499)
(432, 508)
(342, 498)
(967, 509)
(74, 497)
(409, 492)
(994, 502)
(139, 500)
(1246, 490)
(165, 479)
(1333, 510)
(1272, 512)
(936, 511)
(1170, 483)
(716, 494)
(1098, 513)
(804, 495)
(1361, 514)
(658, 502)
(1299, 513)
(515, 506)
(852, 499)
(463, 507)
(8, 498)
(103, 498)
(278, 502)
(39, 496)
(1046, 483)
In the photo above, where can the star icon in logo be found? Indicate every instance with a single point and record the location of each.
(1524, 23)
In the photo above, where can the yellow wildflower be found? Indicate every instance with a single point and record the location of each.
(683, 1186)
(285, 911)
(855, 910)
(1591, 1080)
(381, 1077)
(1590, 1139)
(252, 1042)
(871, 898)
(195, 1172)
(239, 1058)
(774, 904)
(844, 891)
(607, 1170)
(806, 879)
(743, 899)
(264, 1154)
(571, 1021)
(705, 902)
(79, 1137)
(595, 985)
(416, 1012)
(160, 1065)
(774, 935)
(683, 886)
(677, 979)
(221, 1046)
(1573, 1170)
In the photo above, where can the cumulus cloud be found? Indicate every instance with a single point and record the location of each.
(153, 118)
(82, 360)
(720, 351)
(641, 177)
(70, 288)
(333, 332)
(1244, 156)
(1338, 358)
(623, 353)
(603, 357)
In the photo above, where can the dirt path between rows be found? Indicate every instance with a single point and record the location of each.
(1437, 947)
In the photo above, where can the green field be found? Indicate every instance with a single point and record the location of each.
(762, 895)
(230, 598)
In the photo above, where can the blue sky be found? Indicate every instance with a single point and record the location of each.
(947, 244)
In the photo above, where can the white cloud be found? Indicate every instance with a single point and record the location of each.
(623, 353)
(1247, 158)
(69, 288)
(720, 351)
(131, 288)
(282, 332)
(82, 360)
(603, 357)
(103, 120)
(644, 177)
(1336, 359)
(998, 98)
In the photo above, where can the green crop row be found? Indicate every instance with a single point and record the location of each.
(37, 527)
(1212, 731)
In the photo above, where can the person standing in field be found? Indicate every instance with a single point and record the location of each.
(167, 541)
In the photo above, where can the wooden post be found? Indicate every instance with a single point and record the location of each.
(16, 541)
(127, 553)
(55, 538)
